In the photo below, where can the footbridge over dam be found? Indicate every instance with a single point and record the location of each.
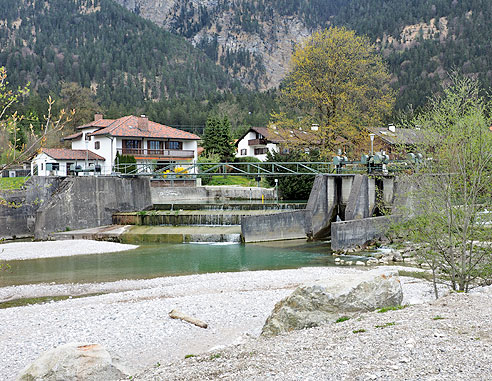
(348, 208)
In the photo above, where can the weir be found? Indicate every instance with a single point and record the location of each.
(341, 207)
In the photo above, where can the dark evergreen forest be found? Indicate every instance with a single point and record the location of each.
(133, 66)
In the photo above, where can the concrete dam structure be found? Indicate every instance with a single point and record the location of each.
(346, 208)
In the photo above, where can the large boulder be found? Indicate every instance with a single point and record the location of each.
(88, 362)
(315, 304)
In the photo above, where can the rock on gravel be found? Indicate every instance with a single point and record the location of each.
(315, 304)
(450, 339)
(74, 362)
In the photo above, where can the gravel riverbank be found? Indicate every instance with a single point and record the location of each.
(132, 321)
(449, 339)
(49, 249)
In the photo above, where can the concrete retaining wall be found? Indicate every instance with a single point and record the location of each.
(274, 227)
(347, 234)
(84, 202)
(165, 195)
(18, 207)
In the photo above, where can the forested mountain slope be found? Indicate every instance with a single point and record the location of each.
(98, 44)
(422, 40)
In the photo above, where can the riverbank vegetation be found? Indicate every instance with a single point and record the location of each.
(451, 191)
(7, 183)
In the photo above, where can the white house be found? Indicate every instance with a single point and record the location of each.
(101, 140)
(257, 141)
(65, 162)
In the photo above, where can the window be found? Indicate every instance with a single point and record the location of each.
(52, 166)
(131, 147)
(244, 152)
(261, 151)
(87, 137)
(174, 145)
(154, 145)
(97, 145)
(41, 166)
(131, 143)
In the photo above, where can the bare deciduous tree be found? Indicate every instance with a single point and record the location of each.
(13, 152)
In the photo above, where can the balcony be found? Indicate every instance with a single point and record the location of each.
(157, 153)
(257, 142)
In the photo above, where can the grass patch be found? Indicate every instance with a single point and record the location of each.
(391, 308)
(438, 317)
(215, 356)
(359, 331)
(44, 299)
(342, 319)
(236, 180)
(416, 274)
(385, 325)
(7, 183)
(189, 356)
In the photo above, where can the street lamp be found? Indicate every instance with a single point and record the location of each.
(86, 154)
(372, 143)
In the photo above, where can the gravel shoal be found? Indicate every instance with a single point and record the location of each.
(49, 249)
(449, 339)
(132, 320)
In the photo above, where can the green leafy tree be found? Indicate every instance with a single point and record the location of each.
(338, 81)
(451, 191)
(75, 97)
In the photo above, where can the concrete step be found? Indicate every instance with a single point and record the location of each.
(155, 234)
(188, 217)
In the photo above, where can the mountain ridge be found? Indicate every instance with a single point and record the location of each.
(422, 40)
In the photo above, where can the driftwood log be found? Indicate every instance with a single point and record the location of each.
(175, 314)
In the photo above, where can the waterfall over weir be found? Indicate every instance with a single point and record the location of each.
(199, 221)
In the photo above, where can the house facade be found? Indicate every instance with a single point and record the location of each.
(395, 142)
(66, 162)
(258, 141)
(152, 144)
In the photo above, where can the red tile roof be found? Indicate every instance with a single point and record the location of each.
(128, 127)
(73, 136)
(284, 135)
(101, 123)
(71, 154)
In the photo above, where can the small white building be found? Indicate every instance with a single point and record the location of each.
(150, 143)
(258, 141)
(66, 162)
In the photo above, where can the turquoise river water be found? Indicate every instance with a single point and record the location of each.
(150, 261)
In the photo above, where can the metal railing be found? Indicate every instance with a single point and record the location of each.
(186, 170)
(258, 169)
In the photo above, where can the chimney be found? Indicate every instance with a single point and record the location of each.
(98, 117)
(143, 123)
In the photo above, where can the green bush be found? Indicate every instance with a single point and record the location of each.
(125, 163)
(294, 187)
